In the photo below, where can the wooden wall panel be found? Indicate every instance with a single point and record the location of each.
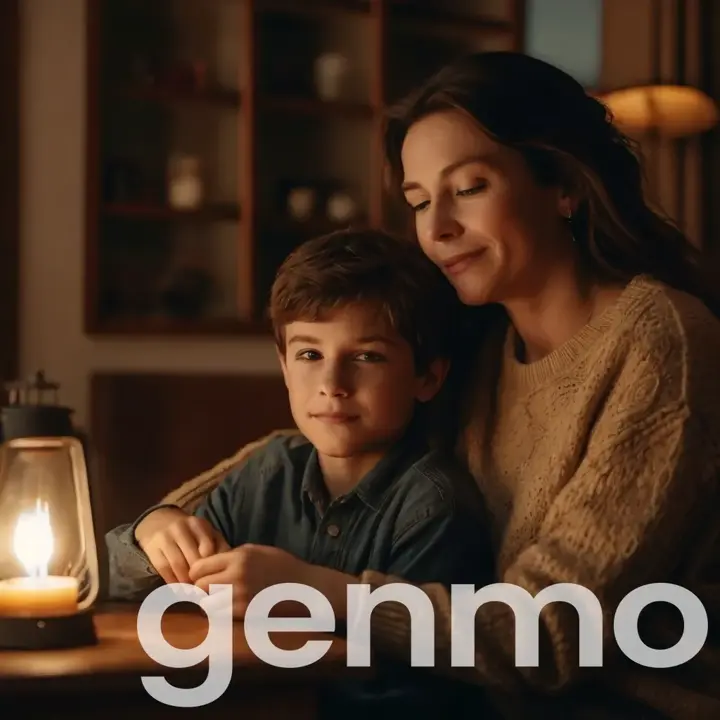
(664, 41)
(9, 188)
(153, 431)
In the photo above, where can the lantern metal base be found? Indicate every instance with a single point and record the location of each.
(48, 633)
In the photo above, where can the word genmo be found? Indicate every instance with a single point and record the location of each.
(361, 600)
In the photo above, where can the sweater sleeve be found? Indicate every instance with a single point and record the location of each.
(193, 493)
(626, 518)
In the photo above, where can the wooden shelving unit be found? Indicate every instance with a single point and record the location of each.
(233, 87)
(181, 96)
(164, 212)
(313, 106)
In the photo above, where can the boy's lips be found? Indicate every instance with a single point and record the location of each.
(334, 417)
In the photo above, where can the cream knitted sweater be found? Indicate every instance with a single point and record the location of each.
(602, 470)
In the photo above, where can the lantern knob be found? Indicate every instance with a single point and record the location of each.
(31, 413)
(20, 392)
(41, 383)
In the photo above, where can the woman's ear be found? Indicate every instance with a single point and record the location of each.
(430, 382)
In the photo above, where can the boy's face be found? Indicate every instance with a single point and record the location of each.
(352, 381)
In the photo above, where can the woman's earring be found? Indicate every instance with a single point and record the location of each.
(568, 220)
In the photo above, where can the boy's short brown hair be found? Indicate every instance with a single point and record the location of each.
(367, 266)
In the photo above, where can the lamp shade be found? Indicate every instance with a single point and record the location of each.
(48, 558)
(671, 111)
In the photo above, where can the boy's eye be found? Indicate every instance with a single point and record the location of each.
(308, 355)
(371, 357)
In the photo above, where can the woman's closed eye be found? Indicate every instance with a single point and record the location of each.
(474, 190)
(419, 206)
(478, 187)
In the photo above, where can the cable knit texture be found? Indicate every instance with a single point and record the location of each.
(601, 469)
(191, 493)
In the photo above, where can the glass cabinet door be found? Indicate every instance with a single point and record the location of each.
(169, 214)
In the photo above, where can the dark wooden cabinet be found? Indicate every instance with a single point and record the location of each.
(222, 133)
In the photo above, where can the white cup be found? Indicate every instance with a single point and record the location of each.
(301, 202)
(331, 70)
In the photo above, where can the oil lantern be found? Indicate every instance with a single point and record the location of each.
(49, 578)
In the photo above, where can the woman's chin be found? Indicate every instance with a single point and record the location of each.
(475, 295)
(476, 288)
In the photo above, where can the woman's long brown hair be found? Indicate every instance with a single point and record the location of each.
(567, 138)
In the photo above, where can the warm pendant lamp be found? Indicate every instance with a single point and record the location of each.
(658, 112)
(667, 111)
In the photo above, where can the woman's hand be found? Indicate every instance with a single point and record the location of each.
(250, 569)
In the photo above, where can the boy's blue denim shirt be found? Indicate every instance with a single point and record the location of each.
(416, 515)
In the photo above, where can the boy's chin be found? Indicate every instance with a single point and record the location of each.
(339, 444)
(337, 447)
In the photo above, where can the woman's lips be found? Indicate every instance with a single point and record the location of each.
(459, 263)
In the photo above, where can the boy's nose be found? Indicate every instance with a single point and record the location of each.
(337, 392)
(334, 390)
(334, 384)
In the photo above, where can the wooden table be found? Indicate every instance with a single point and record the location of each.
(104, 681)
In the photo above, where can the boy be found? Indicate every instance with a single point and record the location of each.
(363, 329)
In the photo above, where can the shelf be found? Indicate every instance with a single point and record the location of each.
(162, 325)
(219, 97)
(314, 7)
(314, 106)
(211, 213)
(236, 84)
(307, 228)
(431, 18)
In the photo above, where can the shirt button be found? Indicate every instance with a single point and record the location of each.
(333, 530)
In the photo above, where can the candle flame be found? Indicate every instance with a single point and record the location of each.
(33, 541)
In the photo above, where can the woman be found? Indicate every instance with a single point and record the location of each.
(593, 419)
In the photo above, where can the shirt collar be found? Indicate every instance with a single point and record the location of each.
(371, 488)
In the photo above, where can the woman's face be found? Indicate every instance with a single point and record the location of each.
(479, 213)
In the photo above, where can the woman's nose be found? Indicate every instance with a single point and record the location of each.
(442, 225)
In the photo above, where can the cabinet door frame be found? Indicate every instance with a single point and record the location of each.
(9, 188)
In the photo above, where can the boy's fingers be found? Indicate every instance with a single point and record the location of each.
(218, 602)
(207, 566)
(219, 578)
(162, 565)
(187, 542)
(207, 538)
(206, 546)
(221, 544)
(178, 563)
(202, 540)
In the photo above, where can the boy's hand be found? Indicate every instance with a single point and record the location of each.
(174, 540)
(252, 568)
(249, 569)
